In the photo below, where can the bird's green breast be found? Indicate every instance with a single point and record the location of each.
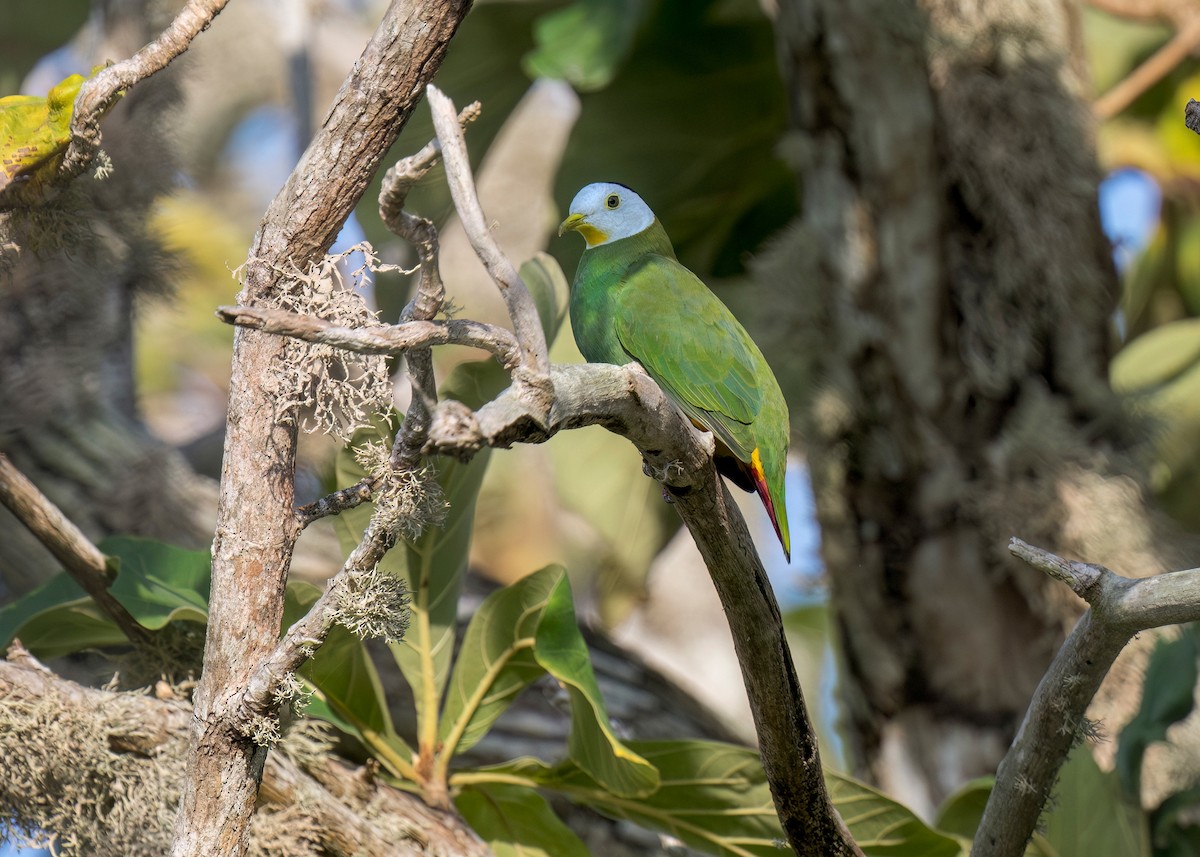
(595, 293)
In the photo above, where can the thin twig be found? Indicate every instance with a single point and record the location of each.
(1119, 608)
(430, 293)
(86, 565)
(1150, 72)
(390, 339)
(534, 371)
(336, 503)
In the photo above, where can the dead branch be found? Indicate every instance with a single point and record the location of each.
(394, 339)
(624, 400)
(1119, 607)
(533, 373)
(86, 565)
(1186, 17)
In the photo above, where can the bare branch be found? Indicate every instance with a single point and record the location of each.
(390, 339)
(336, 503)
(534, 371)
(99, 93)
(1120, 608)
(624, 400)
(86, 565)
(1159, 65)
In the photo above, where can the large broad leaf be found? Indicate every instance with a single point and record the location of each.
(586, 42)
(713, 797)
(881, 826)
(1090, 817)
(1157, 357)
(961, 813)
(517, 822)
(347, 684)
(156, 582)
(1176, 833)
(1168, 693)
(517, 634)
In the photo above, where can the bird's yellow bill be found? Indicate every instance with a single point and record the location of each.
(578, 223)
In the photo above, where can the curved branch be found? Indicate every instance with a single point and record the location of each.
(534, 373)
(626, 401)
(1119, 608)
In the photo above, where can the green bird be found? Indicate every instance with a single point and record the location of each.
(633, 301)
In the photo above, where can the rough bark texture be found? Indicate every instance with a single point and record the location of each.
(952, 329)
(256, 523)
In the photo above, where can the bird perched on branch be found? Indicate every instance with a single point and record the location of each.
(633, 301)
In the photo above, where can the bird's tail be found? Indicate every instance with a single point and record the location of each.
(778, 513)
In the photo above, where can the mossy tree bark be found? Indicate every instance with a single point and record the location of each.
(951, 333)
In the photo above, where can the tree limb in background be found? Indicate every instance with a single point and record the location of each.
(1120, 607)
(142, 740)
(1184, 14)
(70, 546)
(256, 524)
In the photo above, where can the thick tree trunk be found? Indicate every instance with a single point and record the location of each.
(953, 329)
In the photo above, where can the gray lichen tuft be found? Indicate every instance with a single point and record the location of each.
(373, 604)
(409, 500)
(334, 391)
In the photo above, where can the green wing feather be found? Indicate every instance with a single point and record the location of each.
(692, 346)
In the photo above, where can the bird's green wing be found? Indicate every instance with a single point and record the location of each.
(693, 347)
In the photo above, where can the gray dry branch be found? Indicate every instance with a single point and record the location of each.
(132, 748)
(1119, 607)
(256, 519)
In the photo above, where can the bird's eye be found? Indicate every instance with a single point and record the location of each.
(613, 200)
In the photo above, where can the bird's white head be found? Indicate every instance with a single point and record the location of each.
(605, 212)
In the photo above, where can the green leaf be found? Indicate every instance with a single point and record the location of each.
(156, 582)
(518, 633)
(1090, 816)
(517, 822)
(1175, 832)
(1156, 357)
(345, 679)
(496, 660)
(714, 797)
(550, 290)
(962, 811)
(881, 826)
(586, 42)
(160, 583)
(1168, 692)
(34, 131)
